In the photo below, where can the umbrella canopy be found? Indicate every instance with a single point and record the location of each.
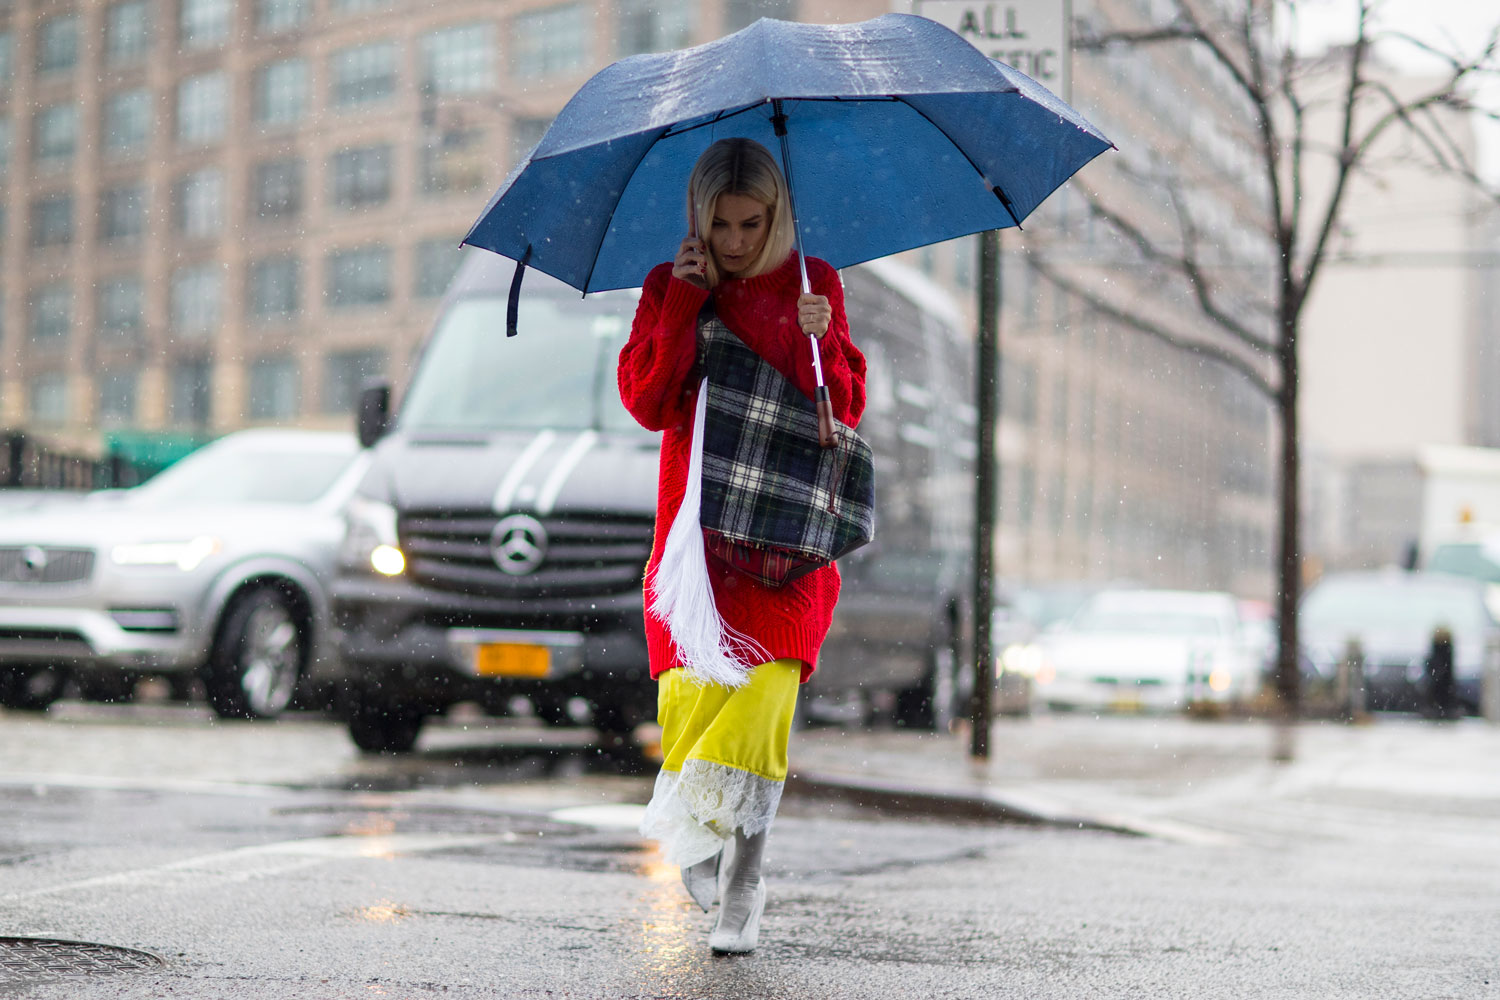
(899, 134)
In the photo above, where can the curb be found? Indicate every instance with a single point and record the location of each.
(894, 797)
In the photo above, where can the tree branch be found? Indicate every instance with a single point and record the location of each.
(1140, 324)
(1187, 264)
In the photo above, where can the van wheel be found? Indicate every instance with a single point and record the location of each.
(31, 689)
(256, 661)
(381, 725)
(929, 706)
(616, 716)
(112, 688)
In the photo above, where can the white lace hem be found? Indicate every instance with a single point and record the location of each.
(693, 812)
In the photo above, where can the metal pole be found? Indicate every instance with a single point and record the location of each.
(986, 488)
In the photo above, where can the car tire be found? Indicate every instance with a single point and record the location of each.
(616, 716)
(256, 661)
(110, 688)
(31, 688)
(381, 725)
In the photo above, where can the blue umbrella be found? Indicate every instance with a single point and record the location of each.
(895, 133)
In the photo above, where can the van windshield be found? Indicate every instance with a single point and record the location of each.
(558, 372)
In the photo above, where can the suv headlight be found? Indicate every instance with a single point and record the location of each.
(370, 542)
(186, 556)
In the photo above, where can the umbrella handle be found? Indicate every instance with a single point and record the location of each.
(827, 437)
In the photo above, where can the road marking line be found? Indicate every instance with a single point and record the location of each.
(263, 860)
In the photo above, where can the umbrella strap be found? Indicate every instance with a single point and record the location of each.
(513, 303)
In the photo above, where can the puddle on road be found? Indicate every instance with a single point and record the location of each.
(450, 767)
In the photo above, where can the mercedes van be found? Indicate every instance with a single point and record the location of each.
(496, 547)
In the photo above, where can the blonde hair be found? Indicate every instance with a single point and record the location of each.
(743, 167)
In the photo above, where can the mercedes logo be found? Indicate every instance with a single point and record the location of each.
(33, 563)
(518, 544)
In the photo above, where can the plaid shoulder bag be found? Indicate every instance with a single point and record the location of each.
(775, 505)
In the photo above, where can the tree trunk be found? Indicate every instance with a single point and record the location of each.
(1289, 563)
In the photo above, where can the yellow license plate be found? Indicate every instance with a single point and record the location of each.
(513, 659)
(1126, 703)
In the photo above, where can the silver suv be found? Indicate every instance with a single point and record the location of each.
(216, 568)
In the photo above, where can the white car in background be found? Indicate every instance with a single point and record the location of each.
(216, 569)
(1142, 650)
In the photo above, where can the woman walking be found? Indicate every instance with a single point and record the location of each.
(726, 717)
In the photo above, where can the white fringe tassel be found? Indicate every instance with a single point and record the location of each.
(682, 596)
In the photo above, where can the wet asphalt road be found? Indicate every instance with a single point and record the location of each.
(272, 861)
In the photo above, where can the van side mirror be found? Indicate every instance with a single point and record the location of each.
(374, 411)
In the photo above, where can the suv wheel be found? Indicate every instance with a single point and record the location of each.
(381, 725)
(253, 669)
(31, 689)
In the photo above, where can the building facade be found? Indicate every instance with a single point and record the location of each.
(223, 213)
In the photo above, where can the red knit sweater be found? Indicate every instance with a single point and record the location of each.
(789, 622)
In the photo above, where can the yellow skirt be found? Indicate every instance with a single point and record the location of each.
(725, 759)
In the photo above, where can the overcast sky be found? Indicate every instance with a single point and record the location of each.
(1441, 23)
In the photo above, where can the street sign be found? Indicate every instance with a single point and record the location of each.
(1029, 35)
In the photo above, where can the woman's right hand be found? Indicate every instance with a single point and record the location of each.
(691, 264)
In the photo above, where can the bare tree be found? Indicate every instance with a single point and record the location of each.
(1312, 125)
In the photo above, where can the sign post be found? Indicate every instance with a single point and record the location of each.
(1033, 37)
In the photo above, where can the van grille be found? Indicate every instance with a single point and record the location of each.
(44, 564)
(598, 554)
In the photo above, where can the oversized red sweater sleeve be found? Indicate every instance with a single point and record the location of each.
(843, 363)
(656, 360)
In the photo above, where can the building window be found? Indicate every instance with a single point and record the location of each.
(454, 161)
(49, 398)
(52, 220)
(276, 189)
(275, 286)
(205, 23)
(121, 307)
(549, 42)
(127, 122)
(358, 276)
(195, 299)
(344, 372)
(281, 92)
(57, 44)
(360, 177)
(127, 32)
(743, 13)
(190, 393)
(437, 262)
(363, 74)
(198, 203)
(55, 134)
(7, 55)
(117, 393)
(274, 389)
(459, 60)
(280, 15)
(122, 212)
(4, 146)
(653, 26)
(355, 6)
(202, 105)
(51, 314)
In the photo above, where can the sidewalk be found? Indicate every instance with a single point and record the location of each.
(1167, 777)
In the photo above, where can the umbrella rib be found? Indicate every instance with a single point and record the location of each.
(604, 235)
(1000, 194)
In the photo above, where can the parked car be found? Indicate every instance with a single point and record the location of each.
(217, 567)
(1142, 650)
(1393, 614)
(497, 545)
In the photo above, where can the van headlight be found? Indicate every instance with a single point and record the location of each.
(1029, 660)
(370, 541)
(185, 555)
